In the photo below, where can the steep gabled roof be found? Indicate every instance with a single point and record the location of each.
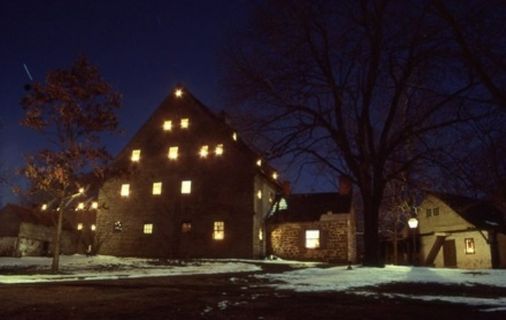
(305, 207)
(479, 213)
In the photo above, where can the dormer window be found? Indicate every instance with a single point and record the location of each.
(125, 190)
(167, 125)
(204, 151)
(185, 123)
(136, 155)
(219, 150)
(157, 188)
(173, 153)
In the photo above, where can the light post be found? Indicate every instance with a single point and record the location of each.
(413, 224)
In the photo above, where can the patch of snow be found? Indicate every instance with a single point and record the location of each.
(79, 267)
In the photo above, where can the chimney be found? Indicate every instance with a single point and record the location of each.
(286, 188)
(345, 185)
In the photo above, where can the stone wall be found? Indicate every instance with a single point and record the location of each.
(287, 240)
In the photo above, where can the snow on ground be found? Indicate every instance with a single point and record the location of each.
(79, 267)
(356, 280)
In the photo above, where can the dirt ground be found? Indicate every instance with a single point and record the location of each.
(226, 296)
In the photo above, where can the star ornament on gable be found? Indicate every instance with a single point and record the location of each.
(178, 93)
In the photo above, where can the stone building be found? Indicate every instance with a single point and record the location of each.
(461, 232)
(314, 226)
(189, 187)
(27, 232)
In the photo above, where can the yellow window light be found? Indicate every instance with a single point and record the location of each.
(81, 190)
(125, 190)
(79, 226)
(93, 227)
(275, 175)
(178, 92)
(259, 194)
(167, 125)
(94, 205)
(234, 136)
(219, 150)
(43, 207)
(148, 228)
(185, 123)
(204, 151)
(136, 155)
(312, 239)
(259, 162)
(218, 230)
(157, 188)
(80, 206)
(173, 153)
(186, 186)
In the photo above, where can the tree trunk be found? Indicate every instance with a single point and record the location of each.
(372, 257)
(396, 250)
(55, 266)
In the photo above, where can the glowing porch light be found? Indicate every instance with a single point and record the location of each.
(178, 93)
(125, 190)
(185, 123)
(259, 162)
(94, 205)
(43, 207)
(167, 125)
(136, 155)
(219, 150)
(173, 153)
(204, 151)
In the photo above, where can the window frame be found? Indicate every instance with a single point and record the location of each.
(218, 230)
(148, 228)
(316, 239)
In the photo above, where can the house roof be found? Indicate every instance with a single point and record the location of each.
(26, 214)
(306, 207)
(479, 213)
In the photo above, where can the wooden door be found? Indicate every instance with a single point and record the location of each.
(449, 254)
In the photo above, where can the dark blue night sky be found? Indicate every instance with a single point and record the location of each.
(143, 48)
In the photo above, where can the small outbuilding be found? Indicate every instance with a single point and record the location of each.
(27, 232)
(313, 226)
(461, 232)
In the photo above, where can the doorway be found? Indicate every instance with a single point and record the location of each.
(449, 254)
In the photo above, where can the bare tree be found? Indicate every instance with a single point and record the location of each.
(351, 84)
(70, 110)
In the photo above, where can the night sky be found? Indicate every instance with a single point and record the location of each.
(143, 48)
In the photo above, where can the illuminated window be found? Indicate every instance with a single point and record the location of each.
(157, 188)
(260, 234)
(178, 93)
(185, 123)
(80, 206)
(186, 186)
(283, 205)
(173, 152)
(470, 248)
(275, 175)
(94, 205)
(148, 228)
(167, 125)
(186, 226)
(204, 151)
(81, 190)
(218, 150)
(125, 190)
(218, 230)
(93, 227)
(118, 226)
(312, 239)
(136, 155)
(234, 136)
(43, 207)
(259, 194)
(79, 226)
(259, 162)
